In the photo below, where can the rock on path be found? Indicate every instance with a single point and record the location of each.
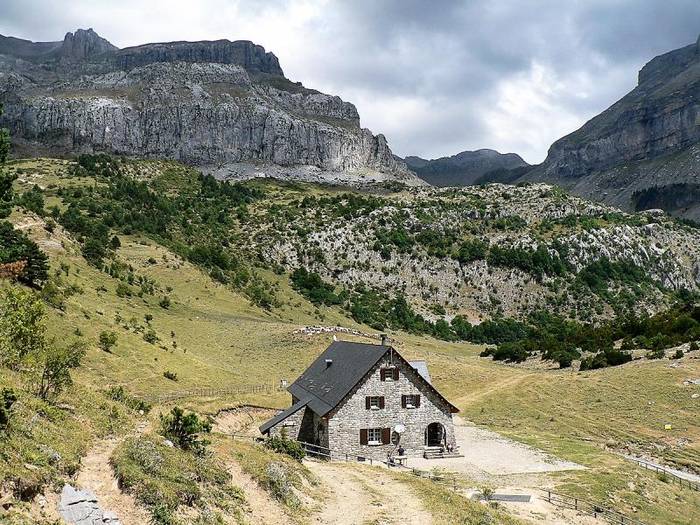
(79, 507)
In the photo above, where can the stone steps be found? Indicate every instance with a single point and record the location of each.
(437, 453)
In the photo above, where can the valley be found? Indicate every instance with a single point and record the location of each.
(216, 333)
(184, 229)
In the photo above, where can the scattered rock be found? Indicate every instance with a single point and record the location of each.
(79, 507)
(168, 443)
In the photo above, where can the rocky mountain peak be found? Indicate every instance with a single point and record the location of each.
(223, 106)
(84, 43)
(244, 53)
(641, 152)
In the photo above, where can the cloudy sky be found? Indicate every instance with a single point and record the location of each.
(436, 77)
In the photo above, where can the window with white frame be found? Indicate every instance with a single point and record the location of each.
(374, 436)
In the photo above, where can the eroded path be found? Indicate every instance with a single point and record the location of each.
(97, 476)
(358, 494)
(261, 508)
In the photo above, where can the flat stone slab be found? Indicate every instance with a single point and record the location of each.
(79, 507)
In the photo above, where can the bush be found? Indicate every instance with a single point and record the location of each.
(150, 336)
(184, 429)
(22, 327)
(286, 446)
(119, 394)
(311, 286)
(107, 340)
(16, 247)
(55, 365)
(170, 375)
(470, 251)
(164, 303)
(693, 347)
(7, 399)
(656, 354)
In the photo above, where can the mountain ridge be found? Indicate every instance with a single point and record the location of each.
(222, 106)
(464, 168)
(647, 140)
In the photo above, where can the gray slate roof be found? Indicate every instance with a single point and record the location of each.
(422, 368)
(325, 386)
(284, 414)
(321, 387)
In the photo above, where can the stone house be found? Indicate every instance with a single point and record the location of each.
(365, 400)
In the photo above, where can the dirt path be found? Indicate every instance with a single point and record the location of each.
(96, 475)
(262, 509)
(358, 495)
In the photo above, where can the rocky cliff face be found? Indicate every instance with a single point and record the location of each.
(648, 139)
(223, 106)
(463, 169)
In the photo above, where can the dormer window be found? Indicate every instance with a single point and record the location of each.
(389, 373)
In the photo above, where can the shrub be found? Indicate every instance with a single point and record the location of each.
(123, 290)
(311, 286)
(656, 354)
(470, 251)
(170, 375)
(164, 303)
(107, 340)
(22, 327)
(55, 365)
(150, 336)
(115, 243)
(280, 486)
(7, 399)
(693, 346)
(286, 446)
(119, 394)
(16, 247)
(33, 200)
(184, 429)
(679, 353)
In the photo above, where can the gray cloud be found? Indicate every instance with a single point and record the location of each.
(435, 77)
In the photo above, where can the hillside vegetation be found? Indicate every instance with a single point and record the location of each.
(155, 317)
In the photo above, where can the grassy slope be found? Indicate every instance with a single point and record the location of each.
(223, 341)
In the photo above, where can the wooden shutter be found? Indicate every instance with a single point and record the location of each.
(368, 404)
(403, 401)
(396, 373)
(386, 436)
(382, 374)
(381, 402)
(363, 436)
(417, 399)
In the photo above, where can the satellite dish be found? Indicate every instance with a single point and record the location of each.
(399, 429)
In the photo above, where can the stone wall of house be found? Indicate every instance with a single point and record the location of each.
(304, 425)
(351, 415)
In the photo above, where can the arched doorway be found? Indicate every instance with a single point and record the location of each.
(435, 435)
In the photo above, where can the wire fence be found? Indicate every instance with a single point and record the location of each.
(666, 474)
(215, 392)
(587, 507)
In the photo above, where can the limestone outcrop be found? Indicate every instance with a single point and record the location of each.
(222, 106)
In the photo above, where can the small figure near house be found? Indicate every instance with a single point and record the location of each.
(359, 399)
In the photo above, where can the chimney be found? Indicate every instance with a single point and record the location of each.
(385, 339)
(329, 362)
